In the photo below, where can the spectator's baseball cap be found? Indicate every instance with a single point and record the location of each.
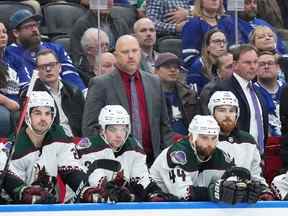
(165, 58)
(21, 16)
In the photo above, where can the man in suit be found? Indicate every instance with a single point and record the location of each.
(253, 114)
(150, 124)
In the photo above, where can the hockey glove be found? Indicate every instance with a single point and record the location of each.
(118, 193)
(232, 187)
(45, 181)
(95, 194)
(228, 191)
(258, 191)
(155, 194)
(92, 195)
(35, 195)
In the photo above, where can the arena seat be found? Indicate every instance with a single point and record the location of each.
(64, 40)
(59, 17)
(7, 8)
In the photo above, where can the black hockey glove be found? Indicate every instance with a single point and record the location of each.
(154, 194)
(118, 193)
(35, 195)
(258, 191)
(228, 191)
(232, 187)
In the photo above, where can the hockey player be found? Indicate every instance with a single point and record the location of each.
(186, 168)
(223, 105)
(279, 186)
(133, 182)
(18, 191)
(43, 151)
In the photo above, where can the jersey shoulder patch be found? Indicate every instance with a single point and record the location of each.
(83, 143)
(178, 157)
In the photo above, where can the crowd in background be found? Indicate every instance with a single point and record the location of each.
(117, 61)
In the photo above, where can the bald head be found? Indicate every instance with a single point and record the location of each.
(127, 52)
(107, 62)
(144, 31)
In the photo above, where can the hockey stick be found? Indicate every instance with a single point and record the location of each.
(18, 127)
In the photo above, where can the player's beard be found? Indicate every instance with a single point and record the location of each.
(204, 153)
(227, 125)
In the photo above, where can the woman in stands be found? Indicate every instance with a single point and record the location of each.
(9, 85)
(264, 39)
(204, 69)
(206, 15)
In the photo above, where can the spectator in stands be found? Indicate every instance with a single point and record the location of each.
(182, 103)
(7, 105)
(112, 23)
(206, 14)
(168, 16)
(138, 92)
(284, 8)
(25, 27)
(69, 99)
(248, 21)
(224, 71)
(144, 31)
(253, 116)
(18, 73)
(92, 47)
(33, 3)
(240, 145)
(106, 62)
(270, 89)
(264, 39)
(204, 68)
(269, 10)
(12, 72)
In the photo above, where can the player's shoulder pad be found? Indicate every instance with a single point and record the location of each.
(57, 134)
(91, 144)
(222, 157)
(132, 144)
(245, 137)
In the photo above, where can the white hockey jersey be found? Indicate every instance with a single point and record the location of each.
(177, 169)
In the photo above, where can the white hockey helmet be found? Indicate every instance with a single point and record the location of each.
(221, 98)
(40, 99)
(204, 124)
(114, 115)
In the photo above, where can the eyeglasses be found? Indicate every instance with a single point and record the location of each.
(30, 26)
(268, 63)
(47, 67)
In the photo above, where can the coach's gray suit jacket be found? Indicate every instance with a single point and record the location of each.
(109, 90)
